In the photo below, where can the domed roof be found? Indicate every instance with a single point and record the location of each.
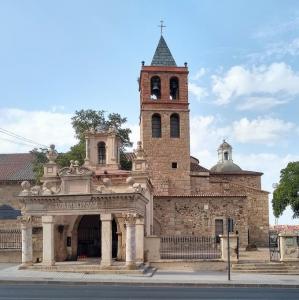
(226, 166)
(225, 145)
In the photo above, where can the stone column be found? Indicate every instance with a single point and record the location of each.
(130, 220)
(48, 240)
(288, 246)
(106, 259)
(86, 150)
(233, 242)
(26, 228)
(139, 240)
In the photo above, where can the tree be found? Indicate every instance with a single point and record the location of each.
(287, 190)
(86, 120)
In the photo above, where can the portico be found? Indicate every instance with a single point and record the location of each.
(56, 213)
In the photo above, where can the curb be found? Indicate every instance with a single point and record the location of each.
(150, 284)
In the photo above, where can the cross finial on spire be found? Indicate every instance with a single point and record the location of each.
(161, 26)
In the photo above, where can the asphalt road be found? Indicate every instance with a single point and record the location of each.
(62, 292)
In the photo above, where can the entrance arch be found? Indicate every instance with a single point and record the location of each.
(89, 236)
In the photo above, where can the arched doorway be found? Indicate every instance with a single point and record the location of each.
(89, 236)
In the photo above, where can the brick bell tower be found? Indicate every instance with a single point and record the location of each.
(164, 122)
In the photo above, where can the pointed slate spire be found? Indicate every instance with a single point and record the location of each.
(163, 56)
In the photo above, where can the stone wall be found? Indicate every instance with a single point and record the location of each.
(162, 152)
(242, 179)
(9, 192)
(196, 215)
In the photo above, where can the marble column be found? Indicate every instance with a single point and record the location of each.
(86, 150)
(106, 259)
(130, 220)
(26, 229)
(48, 240)
(139, 240)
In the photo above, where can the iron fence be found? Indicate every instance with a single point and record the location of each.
(274, 246)
(189, 247)
(10, 239)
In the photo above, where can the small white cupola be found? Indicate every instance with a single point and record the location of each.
(102, 149)
(225, 152)
(225, 162)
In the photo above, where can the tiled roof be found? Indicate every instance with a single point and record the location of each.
(163, 56)
(197, 168)
(16, 167)
(240, 172)
(204, 194)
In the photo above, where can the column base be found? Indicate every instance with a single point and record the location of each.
(106, 263)
(48, 263)
(130, 265)
(24, 266)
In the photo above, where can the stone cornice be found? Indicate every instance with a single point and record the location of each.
(84, 204)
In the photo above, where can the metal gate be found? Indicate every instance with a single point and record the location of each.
(274, 246)
(10, 239)
(89, 242)
(189, 247)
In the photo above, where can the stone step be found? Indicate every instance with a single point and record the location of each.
(271, 267)
(142, 269)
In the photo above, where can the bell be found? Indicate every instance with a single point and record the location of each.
(155, 87)
(174, 85)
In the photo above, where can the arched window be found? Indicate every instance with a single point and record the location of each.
(155, 87)
(102, 153)
(174, 126)
(225, 155)
(174, 88)
(156, 126)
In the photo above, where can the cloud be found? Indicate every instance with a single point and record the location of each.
(200, 73)
(280, 28)
(259, 103)
(206, 135)
(262, 81)
(261, 130)
(44, 127)
(198, 91)
(277, 51)
(135, 134)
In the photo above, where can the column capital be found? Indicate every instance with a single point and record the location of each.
(140, 221)
(106, 217)
(48, 219)
(26, 221)
(130, 218)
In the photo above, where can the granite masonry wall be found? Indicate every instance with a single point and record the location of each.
(197, 215)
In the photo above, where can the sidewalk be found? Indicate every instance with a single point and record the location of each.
(9, 273)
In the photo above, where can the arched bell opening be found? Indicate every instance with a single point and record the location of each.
(155, 87)
(174, 88)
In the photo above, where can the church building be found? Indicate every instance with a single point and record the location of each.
(99, 210)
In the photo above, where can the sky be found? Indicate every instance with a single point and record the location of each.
(57, 57)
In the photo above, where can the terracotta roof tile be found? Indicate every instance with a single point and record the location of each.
(197, 168)
(16, 167)
(206, 194)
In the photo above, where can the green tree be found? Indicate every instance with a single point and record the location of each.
(287, 191)
(86, 120)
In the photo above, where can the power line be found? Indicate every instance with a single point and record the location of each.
(17, 136)
(15, 142)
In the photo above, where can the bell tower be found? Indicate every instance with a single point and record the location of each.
(164, 122)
